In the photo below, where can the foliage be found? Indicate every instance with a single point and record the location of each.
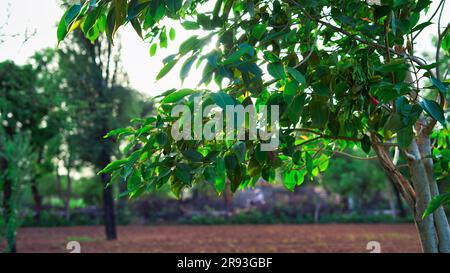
(338, 70)
(22, 110)
(436, 202)
(277, 216)
(358, 179)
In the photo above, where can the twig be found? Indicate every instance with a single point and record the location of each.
(356, 157)
(311, 50)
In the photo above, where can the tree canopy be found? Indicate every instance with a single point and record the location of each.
(337, 70)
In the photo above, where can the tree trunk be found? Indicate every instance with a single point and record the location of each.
(69, 189)
(37, 200)
(433, 230)
(398, 198)
(317, 206)
(68, 196)
(440, 219)
(427, 231)
(108, 209)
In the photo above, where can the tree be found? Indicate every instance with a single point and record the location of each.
(343, 75)
(359, 180)
(99, 100)
(22, 110)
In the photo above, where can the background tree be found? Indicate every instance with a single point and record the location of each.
(344, 74)
(23, 109)
(99, 100)
(358, 180)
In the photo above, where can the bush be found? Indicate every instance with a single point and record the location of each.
(256, 216)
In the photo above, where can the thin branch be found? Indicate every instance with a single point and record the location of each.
(439, 42)
(322, 135)
(311, 50)
(309, 141)
(355, 157)
(429, 20)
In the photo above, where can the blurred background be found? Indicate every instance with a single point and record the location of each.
(57, 103)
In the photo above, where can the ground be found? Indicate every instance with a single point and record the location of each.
(236, 238)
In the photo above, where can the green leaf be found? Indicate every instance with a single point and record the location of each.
(434, 110)
(163, 39)
(161, 138)
(319, 113)
(230, 162)
(259, 30)
(72, 13)
(188, 45)
(136, 7)
(393, 22)
(295, 109)
(137, 27)
(440, 86)
(323, 162)
(173, 5)
(153, 49)
(63, 26)
(91, 19)
(182, 172)
(420, 26)
(422, 4)
(435, 203)
(222, 99)
(290, 180)
(220, 174)
(290, 90)
(428, 66)
(309, 163)
(296, 75)
(293, 178)
(178, 95)
(186, 67)
(235, 57)
(121, 10)
(113, 166)
(119, 132)
(393, 66)
(254, 168)
(193, 156)
(172, 34)
(239, 150)
(166, 69)
(276, 70)
(366, 144)
(321, 89)
(134, 181)
(405, 137)
(189, 25)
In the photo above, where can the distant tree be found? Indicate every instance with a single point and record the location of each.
(99, 100)
(22, 111)
(355, 178)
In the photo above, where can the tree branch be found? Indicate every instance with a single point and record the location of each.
(354, 156)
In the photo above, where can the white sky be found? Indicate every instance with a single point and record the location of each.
(43, 16)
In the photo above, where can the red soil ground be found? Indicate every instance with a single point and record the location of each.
(246, 238)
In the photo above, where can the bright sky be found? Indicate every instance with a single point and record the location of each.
(43, 16)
